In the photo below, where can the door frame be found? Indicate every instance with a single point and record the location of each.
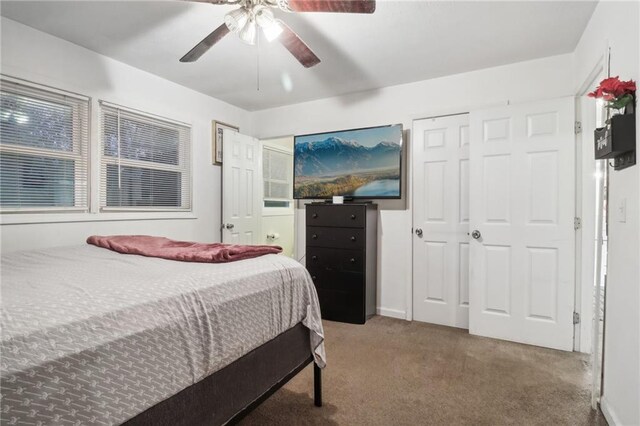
(588, 329)
(585, 236)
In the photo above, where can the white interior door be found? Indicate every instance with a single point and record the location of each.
(523, 205)
(241, 188)
(441, 220)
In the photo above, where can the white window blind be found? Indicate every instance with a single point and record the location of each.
(44, 149)
(277, 170)
(145, 162)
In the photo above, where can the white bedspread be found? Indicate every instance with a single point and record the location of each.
(90, 336)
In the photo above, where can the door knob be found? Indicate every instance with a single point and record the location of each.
(419, 232)
(476, 234)
(229, 226)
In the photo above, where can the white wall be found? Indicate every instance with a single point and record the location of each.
(276, 221)
(33, 55)
(618, 23)
(538, 79)
(284, 227)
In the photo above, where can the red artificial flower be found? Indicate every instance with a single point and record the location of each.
(612, 88)
(596, 93)
(629, 86)
(611, 85)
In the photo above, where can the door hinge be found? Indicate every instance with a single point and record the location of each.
(577, 223)
(576, 318)
(578, 127)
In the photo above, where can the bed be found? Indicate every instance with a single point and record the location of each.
(90, 336)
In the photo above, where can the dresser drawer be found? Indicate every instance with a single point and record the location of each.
(345, 238)
(337, 280)
(344, 216)
(345, 306)
(335, 259)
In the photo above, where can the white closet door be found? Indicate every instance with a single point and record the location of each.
(522, 204)
(441, 220)
(241, 188)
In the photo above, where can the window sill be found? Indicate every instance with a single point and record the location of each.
(36, 218)
(277, 211)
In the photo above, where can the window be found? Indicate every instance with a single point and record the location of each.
(146, 162)
(44, 140)
(277, 171)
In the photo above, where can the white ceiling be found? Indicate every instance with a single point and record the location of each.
(403, 41)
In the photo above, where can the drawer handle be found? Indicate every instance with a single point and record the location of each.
(353, 217)
(314, 257)
(353, 238)
(314, 236)
(314, 215)
(352, 260)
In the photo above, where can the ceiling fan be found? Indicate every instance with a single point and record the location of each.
(254, 15)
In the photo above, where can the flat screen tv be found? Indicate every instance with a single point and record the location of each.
(359, 163)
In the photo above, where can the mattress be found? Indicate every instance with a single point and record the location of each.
(90, 336)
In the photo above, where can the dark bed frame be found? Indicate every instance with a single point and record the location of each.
(229, 394)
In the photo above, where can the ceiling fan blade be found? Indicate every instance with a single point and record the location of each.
(336, 6)
(297, 47)
(201, 48)
(215, 1)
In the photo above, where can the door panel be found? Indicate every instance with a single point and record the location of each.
(441, 211)
(497, 268)
(241, 188)
(522, 202)
(463, 274)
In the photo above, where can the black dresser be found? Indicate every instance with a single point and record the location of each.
(341, 258)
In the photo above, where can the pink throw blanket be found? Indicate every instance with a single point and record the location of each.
(185, 251)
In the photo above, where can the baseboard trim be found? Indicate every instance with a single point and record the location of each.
(393, 313)
(609, 415)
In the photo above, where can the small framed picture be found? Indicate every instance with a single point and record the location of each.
(216, 139)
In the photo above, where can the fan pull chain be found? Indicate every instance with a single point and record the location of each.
(258, 63)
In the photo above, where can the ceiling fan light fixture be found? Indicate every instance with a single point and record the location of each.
(249, 33)
(272, 31)
(237, 19)
(264, 16)
(270, 26)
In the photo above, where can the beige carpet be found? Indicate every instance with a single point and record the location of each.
(393, 372)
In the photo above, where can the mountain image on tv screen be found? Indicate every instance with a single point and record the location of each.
(362, 163)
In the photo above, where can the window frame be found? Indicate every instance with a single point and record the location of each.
(51, 94)
(185, 164)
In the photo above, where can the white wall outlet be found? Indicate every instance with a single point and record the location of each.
(622, 210)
